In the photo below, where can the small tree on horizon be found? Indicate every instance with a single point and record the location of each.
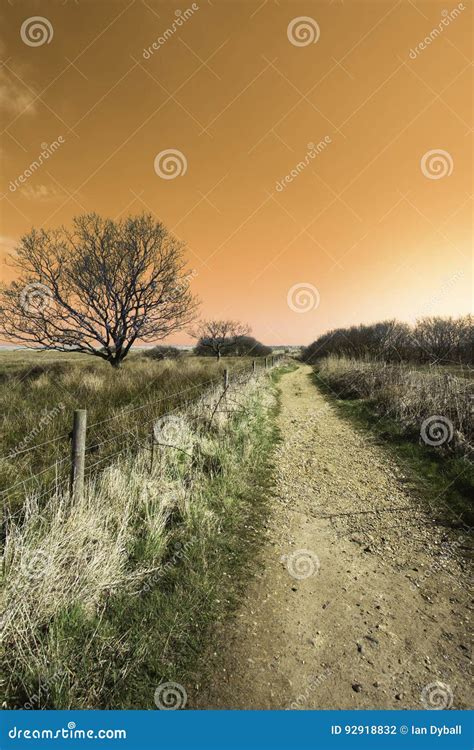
(215, 336)
(98, 288)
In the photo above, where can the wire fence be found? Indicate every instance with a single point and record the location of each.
(102, 446)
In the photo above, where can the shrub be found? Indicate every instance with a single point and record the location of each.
(431, 340)
(239, 346)
(163, 352)
(410, 396)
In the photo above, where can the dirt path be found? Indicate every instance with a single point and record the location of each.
(360, 602)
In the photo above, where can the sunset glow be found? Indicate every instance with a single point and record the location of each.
(331, 172)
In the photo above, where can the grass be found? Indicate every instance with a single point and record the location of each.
(392, 403)
(107, 598)
(39, 392)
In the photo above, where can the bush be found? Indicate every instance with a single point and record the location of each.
(444, 340)
(431, 340)
(430, 403)
(239, 346)
(163, 352)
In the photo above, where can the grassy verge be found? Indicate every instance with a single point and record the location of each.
(39, 392)
(441, 479)
(107, 599)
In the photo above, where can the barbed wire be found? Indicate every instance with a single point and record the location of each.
(34, 476)
(240, 379)
(122, 413)
(148, 403)
(33, 447)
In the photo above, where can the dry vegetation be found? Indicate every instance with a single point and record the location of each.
(105, 598)
(448, 341)
(411, 387)
(424, 417)
(39, 391)
(407, 394)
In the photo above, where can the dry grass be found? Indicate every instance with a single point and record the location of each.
(39, 393)
(408, 394)
(67, 563)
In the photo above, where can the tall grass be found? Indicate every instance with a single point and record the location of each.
(409, 395)
(107, 597)
(422, 415)
(38, 396)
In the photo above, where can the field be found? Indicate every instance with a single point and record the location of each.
(111, 594)
(39, 392)
(321, 479)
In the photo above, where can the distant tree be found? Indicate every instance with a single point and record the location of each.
(240, 346)
(216, 336)
(163, 352)
(434, 340)
(98, 288)
(247, 346)
(444, 340)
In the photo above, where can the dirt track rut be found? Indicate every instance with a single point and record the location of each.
(360, 601)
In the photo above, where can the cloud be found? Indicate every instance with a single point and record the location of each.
(40, 192)
(15, 97)
(7, 243)
(7, 247)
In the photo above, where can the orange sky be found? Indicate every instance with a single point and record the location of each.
(367, 225)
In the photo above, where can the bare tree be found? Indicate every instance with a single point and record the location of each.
(444, 339)
(434, 340)
(98, 288)
(215, 336)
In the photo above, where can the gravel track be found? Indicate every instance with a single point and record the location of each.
(361, 599)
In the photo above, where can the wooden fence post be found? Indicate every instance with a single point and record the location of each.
(226, 379)
(266, 363)
(78, 453)
(273, 361)
(254, 366)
